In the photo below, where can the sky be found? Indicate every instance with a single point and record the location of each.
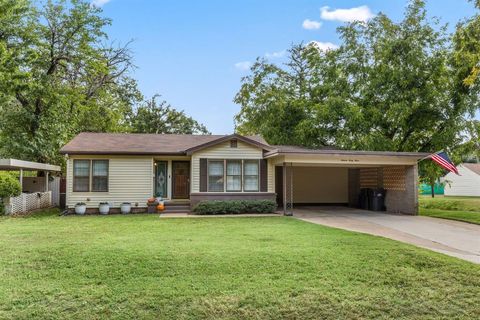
(194, 53)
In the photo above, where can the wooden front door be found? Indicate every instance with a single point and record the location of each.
(181, 179)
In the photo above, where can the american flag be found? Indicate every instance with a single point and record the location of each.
(443, 160)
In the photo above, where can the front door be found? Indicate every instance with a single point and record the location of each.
(181, 179)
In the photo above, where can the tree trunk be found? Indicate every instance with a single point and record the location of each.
(432, 186)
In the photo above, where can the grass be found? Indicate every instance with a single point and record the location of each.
(455, 208)
(140, 266)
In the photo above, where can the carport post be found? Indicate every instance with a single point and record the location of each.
(21, 179)
(46, 181)
(287, 209)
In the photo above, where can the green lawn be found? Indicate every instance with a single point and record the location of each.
(454, 208)
(140, 266)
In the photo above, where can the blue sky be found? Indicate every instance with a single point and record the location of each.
(194, 53)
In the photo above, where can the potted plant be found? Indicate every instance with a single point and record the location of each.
(125, 207)
(81, 208)
(103, 207)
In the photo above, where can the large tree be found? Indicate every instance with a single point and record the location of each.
(160, 117)
(59, 75)
(389, 86)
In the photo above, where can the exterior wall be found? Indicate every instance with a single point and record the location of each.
(320, 185)
(221, 151)
(405, 201)
(33, 184)
(130, 180)
(467, 184)
(195, 198)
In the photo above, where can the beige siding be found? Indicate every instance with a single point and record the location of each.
(271, 176)
(320, 185)
(222, 151)
(130, 180)
(467, 184)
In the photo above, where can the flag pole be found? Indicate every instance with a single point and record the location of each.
(429, 155)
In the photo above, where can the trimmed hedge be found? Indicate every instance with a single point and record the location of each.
(234, 206)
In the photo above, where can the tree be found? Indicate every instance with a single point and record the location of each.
(59, 77)
(389, 86)
(161, 117)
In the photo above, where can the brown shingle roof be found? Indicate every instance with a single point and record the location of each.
(139, 143)
(475, 167)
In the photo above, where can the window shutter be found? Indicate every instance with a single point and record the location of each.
(203, 175)
(263, 175)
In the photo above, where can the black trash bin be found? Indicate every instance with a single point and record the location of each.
(377, 199)
(364, 198)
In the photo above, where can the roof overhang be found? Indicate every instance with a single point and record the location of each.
(14, 164)
(128, 153)
(227, 138)
(345, 158)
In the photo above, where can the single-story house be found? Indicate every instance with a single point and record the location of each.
(465, 184)
(186, 169)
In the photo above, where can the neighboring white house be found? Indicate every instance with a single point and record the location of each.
(465, 184)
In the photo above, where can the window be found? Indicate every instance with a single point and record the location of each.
(234, 175)
(100, 175)
(81, 175)
(250, 175)
(215, 176)
(233, 143)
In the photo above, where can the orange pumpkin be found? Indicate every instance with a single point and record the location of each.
(160, 207)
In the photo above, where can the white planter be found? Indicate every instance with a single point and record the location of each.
(104, 208)
(125, 208)
(80, 209)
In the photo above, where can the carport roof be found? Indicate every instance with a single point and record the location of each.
(14, 164)
(290, 150)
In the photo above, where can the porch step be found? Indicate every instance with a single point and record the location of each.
(176, 208)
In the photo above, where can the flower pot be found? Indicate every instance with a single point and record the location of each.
(104, 208)
(125, 207)
(80, 209)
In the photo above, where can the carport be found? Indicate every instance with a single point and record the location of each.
(308, 177)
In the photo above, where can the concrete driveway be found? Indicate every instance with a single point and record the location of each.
(457, 239)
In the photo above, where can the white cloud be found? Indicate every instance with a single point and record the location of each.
(311, 24)
(99, 3)
(244, 65)
(324, 46)
(278, 54)
(361, 13)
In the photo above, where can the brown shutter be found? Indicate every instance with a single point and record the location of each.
(203, 175)
(263, 175)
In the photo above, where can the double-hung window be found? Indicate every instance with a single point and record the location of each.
(215, 176)
(90, 175)
(250, 175)
(81, 175)
(234, 175)
(100, 175)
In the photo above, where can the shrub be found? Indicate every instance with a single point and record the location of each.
(234, 206)
(9, 187)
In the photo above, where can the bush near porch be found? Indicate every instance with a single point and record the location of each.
(235, 207)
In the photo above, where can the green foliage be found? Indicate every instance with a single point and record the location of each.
(389, 86)
(161, 117)
(60, 75)
(235, 207)
(9, 187)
